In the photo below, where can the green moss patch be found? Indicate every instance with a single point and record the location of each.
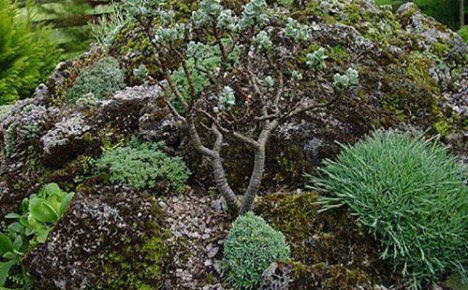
(331, 250)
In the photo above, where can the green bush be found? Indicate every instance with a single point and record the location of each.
(144, 166)
(251, 246)
(101, 80)
(410, 194)
(27, 55)
(41, 212)
(464, 33)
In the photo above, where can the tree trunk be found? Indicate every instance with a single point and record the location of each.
(222, 184)
(255, 180)
(462, 13)
(259, 168)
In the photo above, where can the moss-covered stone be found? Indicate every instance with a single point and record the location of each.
(111, 238)
(330, 249)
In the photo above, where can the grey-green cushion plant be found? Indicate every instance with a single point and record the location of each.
(100, 80)
(251, 246)
(410, 194)
(41, 212)
(144, 166)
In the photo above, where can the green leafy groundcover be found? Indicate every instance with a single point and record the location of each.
(143, 166)
(27, 54)
(410, 194)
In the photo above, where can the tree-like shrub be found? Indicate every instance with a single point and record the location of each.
(251, 246)
(144, 166)
(236, 72)
(101, 80)
(410, 194)
(27, 54)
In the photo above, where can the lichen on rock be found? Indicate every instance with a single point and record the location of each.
(111, 238)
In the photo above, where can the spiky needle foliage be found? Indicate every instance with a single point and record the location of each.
(410, 194)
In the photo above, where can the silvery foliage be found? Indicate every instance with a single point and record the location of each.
(203, 60)
(255, 14)
(348, 79)
(296, 31)
(316, 60)
(297, 76)
(269, 82)
(168, 31)
(262, 40)
(212, 10)
(86, 101)
(144, 8)
(226, 99)
(141, 72)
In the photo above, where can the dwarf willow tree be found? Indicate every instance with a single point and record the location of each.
(241, 75)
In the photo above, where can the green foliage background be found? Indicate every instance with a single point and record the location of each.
(27, 54)
(445, 11)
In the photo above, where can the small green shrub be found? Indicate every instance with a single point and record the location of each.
(410, 194)
(251, 246)
(144, 166)
(464, 33)
(27, 54)
(41, 212)
(101, 80)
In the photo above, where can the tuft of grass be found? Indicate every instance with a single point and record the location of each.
(410, 194)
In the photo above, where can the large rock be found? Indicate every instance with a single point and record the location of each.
(111, 238)
(413, 75)
(407, 80)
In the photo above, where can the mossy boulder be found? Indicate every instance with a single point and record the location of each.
(111, 238)
(330, 250)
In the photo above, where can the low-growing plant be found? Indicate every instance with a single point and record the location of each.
(101, 80)
(410, 194)
(41, 212)
(251, 246)
(144, 166)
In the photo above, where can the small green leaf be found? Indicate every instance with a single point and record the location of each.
(42, 211)
(12, 215)
(66, 203)
(42, 236)
(51, 189)
(5, 244)
(4, 271)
